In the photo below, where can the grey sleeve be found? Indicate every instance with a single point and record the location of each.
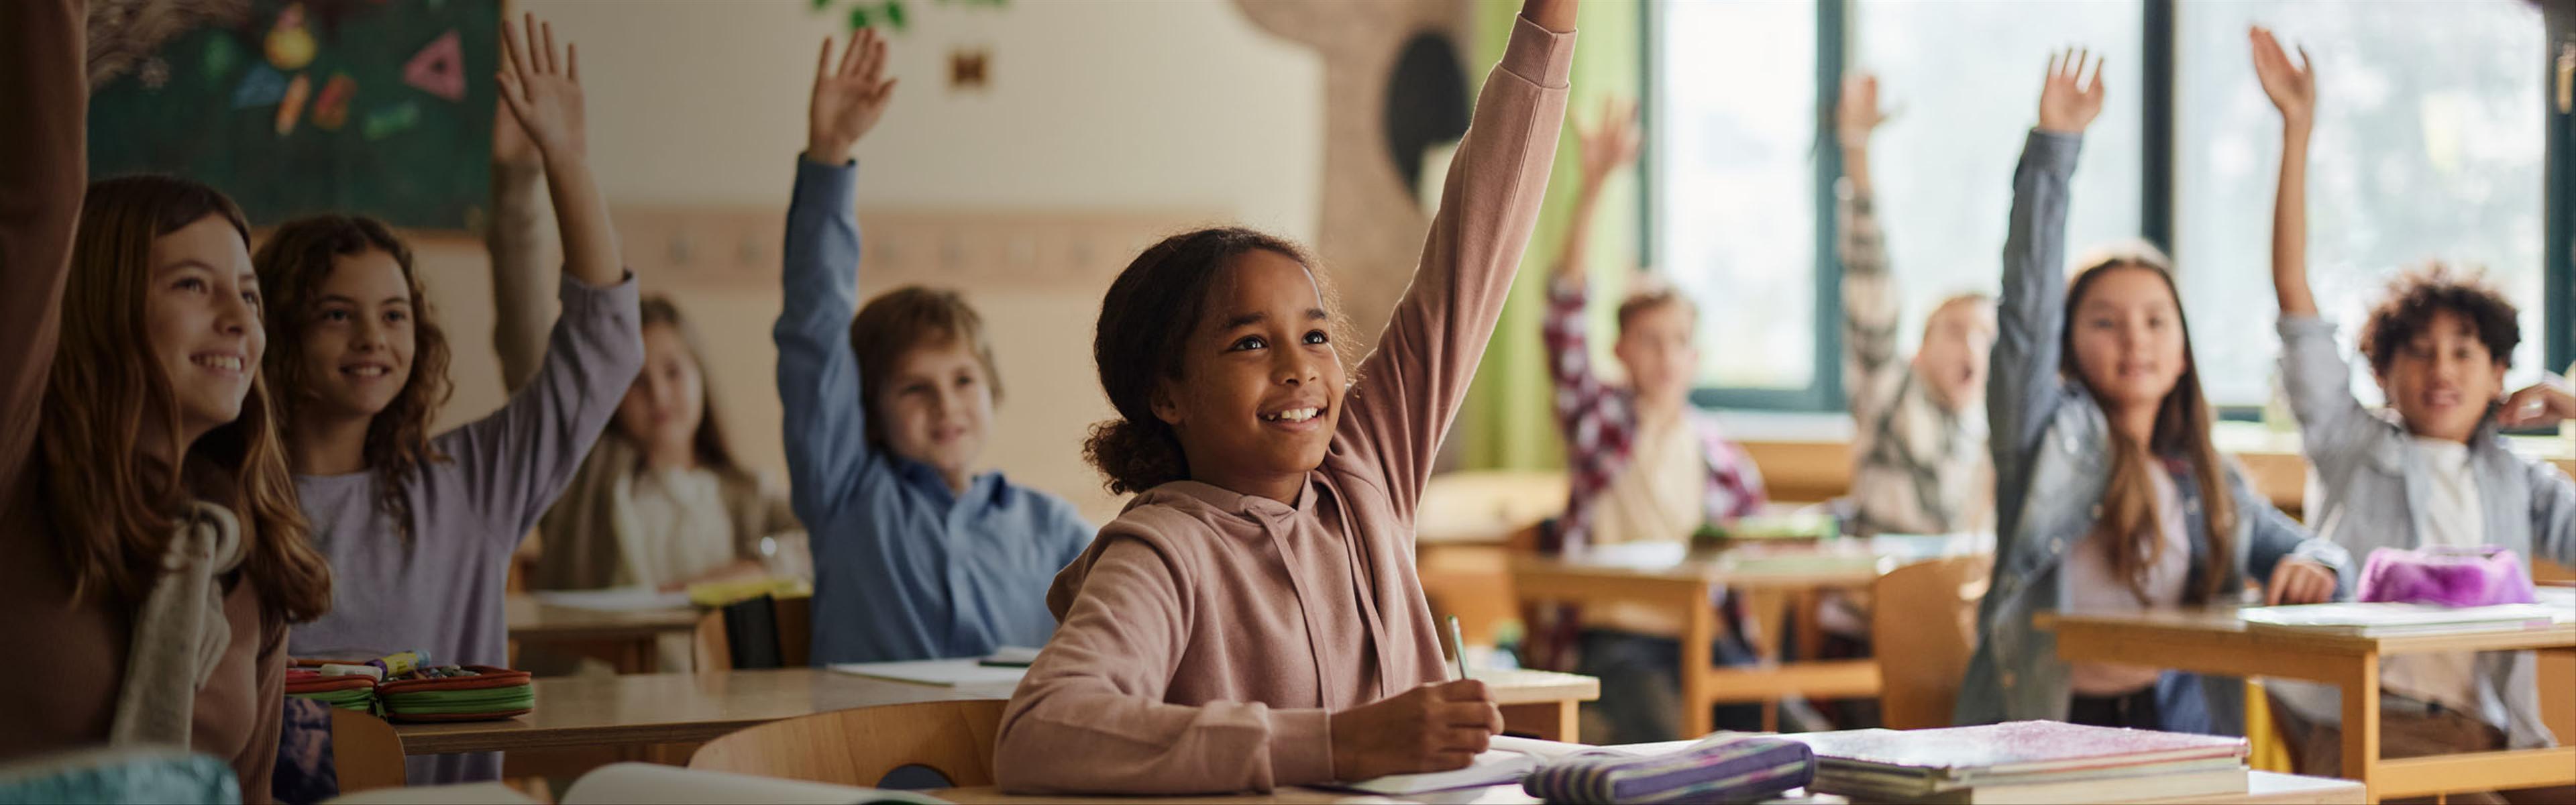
(2333, 427)
(2553, 513)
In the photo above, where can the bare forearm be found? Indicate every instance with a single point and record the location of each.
(2290, 225)
(581, 215)
(1570, 265)
(1856, 169)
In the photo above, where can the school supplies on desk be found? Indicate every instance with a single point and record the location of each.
(458, 693)
(2386, 619)
(945, 673)
(650, 784)
(1010, 657)
(1727, 767)
(2024, 761)
(2451, 577)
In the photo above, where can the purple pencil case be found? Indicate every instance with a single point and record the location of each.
(2451, 577)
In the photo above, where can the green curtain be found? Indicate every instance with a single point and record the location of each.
(1506, 423)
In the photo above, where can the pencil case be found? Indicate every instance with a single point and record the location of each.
(345, 685)
(1721, 768)
(488, 694)
(2452, 577)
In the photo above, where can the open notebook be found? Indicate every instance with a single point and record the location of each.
(648, 784)
(2391, 619)
(1507, 761)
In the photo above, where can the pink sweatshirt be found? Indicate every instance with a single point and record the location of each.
(1208, 635)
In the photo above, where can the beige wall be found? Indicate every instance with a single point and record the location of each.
(1092, 106)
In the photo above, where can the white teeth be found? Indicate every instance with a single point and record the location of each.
(368, 371)
(1295, 415)
(225, 362)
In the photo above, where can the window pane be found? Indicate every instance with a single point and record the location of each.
(2429, 145)
(1943, 167)
(1734, 144)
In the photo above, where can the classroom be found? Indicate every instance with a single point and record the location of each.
(1288, 401)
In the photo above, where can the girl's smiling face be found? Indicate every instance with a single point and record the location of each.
(1260, 390)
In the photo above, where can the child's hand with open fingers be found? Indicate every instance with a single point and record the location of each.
(542, 87)
(2292, 86)
(2546, 403)
(1610, 144)
(2067, 101)
(2299, 581)
(849, 96)
(1858, 114)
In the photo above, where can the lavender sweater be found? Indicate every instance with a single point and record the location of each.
(442, 592)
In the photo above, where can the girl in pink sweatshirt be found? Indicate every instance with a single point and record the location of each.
(1254, 619)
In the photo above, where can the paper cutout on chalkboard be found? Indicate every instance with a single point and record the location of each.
(263, 86)
(331, 111)
(291, 109)
(290, 43)
(392, 120)
(221, 57)
(438, 69)
(155, 74)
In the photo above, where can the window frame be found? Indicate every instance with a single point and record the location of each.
(1825, 392)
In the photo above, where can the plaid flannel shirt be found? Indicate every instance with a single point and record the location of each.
(1600, 426)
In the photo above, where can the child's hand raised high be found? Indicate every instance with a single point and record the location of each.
(542, 87)
(1608, 145)
(2292, 87)
(2068, 103)
(849, 96)
(1858, 114)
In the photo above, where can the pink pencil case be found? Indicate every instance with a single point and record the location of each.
(2455, 577)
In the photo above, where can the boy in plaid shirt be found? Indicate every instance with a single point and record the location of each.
(1644, 465)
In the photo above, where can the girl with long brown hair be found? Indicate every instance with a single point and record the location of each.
(421, 528)
(151, 555)
(2109, 494)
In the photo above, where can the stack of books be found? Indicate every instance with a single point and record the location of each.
(2024, 762)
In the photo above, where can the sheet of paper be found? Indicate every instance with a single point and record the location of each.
(617, 599)
(654, 784)
(951, 673)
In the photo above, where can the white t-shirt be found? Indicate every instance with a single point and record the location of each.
(675, 527)
(2453, 517)
(1659, 497)
(2092, 586)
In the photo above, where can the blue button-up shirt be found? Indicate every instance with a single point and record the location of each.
(904, 568)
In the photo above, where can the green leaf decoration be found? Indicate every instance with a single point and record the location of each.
(894, 14)
(859, 19)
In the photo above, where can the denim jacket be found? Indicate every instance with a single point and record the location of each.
(2368, 477)
(2052, 453)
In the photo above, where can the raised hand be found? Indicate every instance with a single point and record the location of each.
(1434, 727)
(542, 87)
(1609, 145)
(1858, 113)
(2546, 403)
(2292, 87)
(2067, 102)
(849, 96)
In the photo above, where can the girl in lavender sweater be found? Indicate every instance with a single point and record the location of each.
(422, 528)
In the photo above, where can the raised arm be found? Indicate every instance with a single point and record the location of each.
(1870, 306)
(2293, 89)
(1410, 388)
(44, 168)
(2023, 389)
(523, 280)
(517, 460)
(1580, 394)
(818, 375)
(1608, 147)
(542, 88)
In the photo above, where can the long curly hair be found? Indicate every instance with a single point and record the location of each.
(294, 262)
(113, 509)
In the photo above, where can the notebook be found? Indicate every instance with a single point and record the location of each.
(1506, 761)
(1920, 763)
(2389, 619)
(958, 673)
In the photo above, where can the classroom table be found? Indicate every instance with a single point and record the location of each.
(648, 709)
(2215, 641)
(1769, 575)
(2262, 788)
(625, 638)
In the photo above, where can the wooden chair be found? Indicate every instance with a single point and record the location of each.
(861, 746)
(366, 752)
(711, 646)
(1923, 627)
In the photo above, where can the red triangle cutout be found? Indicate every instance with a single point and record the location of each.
(438, 69)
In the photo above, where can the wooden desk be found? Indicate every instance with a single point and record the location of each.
(2215, 641)
(646, 709)
(2265, 788)
(1662, 575)
(625, 639)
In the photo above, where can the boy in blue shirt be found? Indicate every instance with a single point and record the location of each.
(915, 556)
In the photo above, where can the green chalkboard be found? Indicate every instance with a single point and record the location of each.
(378, 107)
